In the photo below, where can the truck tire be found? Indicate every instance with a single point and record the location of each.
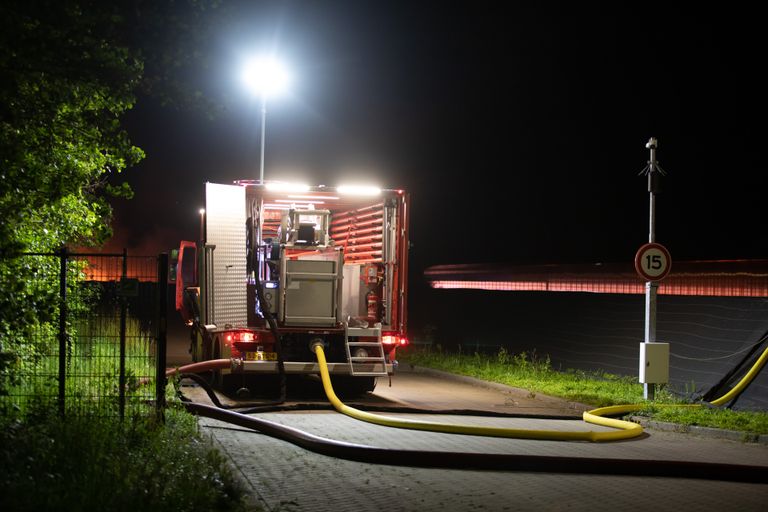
(196, 346)
(200, 346)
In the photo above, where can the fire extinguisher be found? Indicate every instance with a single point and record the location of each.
(372, 302)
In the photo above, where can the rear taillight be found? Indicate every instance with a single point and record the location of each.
(394, 340)
(241, 341)
(241, 336)
(247, 336)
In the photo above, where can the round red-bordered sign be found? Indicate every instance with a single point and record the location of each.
(653, 262)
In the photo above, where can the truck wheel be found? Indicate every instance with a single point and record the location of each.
(196, 346)
(200, 346)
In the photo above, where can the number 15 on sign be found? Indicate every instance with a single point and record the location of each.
(653, 262)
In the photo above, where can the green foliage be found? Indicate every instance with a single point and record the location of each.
(69, 70)
(99, 463)
(29, 329)
(65, 81)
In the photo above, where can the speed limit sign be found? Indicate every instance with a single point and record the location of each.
(653, 262)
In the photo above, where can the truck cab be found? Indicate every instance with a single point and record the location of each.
(282, 266)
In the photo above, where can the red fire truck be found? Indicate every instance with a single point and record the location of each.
(280, 266)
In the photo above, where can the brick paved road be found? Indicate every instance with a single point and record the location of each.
(285, 477)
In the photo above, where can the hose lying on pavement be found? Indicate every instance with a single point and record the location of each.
(189, 372)
(487, 461)
(257, 406)
(627, 428)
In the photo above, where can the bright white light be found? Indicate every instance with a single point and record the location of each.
(281, 186)
(300, 201)
(359, 190)
(202, 211)
(312, 197)
(265, 76)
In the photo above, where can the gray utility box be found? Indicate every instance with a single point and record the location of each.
(654, 363)
(310, 293)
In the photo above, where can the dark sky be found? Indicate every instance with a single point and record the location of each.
(519, 129)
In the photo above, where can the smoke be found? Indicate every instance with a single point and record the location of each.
(144, 239)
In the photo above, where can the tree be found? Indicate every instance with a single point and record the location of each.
(68, 71)
(64, 84)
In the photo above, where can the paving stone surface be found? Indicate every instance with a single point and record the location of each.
(285, 477)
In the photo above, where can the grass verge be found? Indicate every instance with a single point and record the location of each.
(535, 374)
(100, 463)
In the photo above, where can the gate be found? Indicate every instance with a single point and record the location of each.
(98, 347)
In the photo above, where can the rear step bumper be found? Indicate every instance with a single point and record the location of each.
(239, 365)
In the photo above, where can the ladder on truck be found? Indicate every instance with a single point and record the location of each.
(374, 364)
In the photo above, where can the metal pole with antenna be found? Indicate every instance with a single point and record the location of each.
(263, 136)
(653, 263)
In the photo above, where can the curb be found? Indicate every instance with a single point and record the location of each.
(707, 432)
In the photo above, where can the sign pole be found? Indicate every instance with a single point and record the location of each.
(654, 171)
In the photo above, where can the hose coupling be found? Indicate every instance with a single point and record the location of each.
(314, 342)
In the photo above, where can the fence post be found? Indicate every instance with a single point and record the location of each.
(63, 257)
(123, 314)
(162, 333)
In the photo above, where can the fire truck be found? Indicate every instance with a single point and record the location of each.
(280, 266)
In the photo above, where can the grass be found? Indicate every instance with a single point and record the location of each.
(100, 463)
(741, 421)
(92, 368)
(535, 374)
(91, 460)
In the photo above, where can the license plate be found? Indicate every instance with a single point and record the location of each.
(261, 356)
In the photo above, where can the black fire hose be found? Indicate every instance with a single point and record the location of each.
(734, 373)
(509, 462)
(203, 383)
(488, 461)
(261, 407)
(264, 306)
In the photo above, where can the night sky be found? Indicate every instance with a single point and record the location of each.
(518, 129)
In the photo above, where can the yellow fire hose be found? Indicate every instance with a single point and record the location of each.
(627, 429)
(744, 382)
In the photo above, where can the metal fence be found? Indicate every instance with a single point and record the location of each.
(100, 349)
